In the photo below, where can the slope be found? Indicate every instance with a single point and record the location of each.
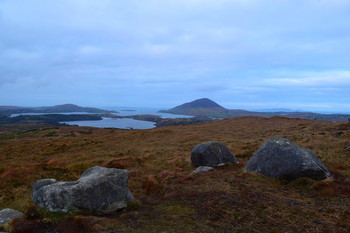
(169, 197)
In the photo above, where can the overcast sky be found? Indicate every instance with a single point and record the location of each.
(246, 54)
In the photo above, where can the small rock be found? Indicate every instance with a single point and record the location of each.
(347, 148)
(337, 134)
(280, 158)
(211, 154)
(6, 215)
(292, 203)
(202, 169)
(99, 190)
(222, 164)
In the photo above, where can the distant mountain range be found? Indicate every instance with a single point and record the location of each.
(208, 108)
(49, 109)
(203, 108)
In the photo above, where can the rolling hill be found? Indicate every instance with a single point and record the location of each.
(50, 109)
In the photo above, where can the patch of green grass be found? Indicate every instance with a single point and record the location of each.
(7, 136)
(302, 183)
(345, 172)
(51, 133)
(2, 227)
(81, 166)
(59, 173)
(55, 216)
(176, 209)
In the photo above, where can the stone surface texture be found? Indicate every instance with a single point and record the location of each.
(281, 158)
(211, 154)
(6, 215)
(98, 190)
(202, 169)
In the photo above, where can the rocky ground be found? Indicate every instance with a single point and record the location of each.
(169, 197)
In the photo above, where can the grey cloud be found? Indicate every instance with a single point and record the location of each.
(192, 46)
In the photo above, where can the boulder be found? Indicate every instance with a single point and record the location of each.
(338, 133)
(280, 158)
(202, 169)
(211, 154)
(6, 215)
(98, 190)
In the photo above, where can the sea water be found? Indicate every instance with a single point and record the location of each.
(121, 123)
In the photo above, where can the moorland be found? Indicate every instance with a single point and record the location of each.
(169, 198)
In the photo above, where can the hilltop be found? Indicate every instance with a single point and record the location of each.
(208, 108)
(171, 199)
(49, 109)
(200, 107)
(200, 103)
(70, 108)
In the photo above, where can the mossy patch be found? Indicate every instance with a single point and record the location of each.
(302, 183)
(55, 216)
(176, 209)
(81, 166)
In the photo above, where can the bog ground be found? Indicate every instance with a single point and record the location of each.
(168, 197)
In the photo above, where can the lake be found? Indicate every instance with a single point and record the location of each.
(125, 123)
(125, 111)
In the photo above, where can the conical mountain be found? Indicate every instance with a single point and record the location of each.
(199, 107)
(200, 103)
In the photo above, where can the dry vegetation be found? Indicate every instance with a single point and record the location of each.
(169, 197)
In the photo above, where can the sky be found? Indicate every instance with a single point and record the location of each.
(243, 54)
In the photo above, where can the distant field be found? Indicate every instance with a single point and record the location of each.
(169, 197)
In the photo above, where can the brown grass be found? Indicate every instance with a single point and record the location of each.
(170, 198)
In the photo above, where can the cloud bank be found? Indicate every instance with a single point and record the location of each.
(250, 53)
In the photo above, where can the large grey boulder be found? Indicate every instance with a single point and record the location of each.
(6, 215)
(211, 154)
(280, 158)
(98, 190)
